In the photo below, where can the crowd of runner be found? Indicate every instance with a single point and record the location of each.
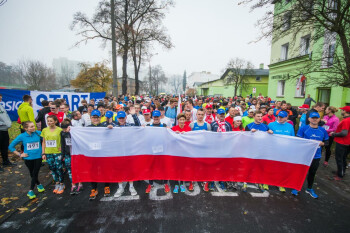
(52, 143)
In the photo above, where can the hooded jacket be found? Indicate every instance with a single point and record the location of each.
(5, 121)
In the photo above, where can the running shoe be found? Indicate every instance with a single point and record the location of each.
(107, 191)
(149, 187)
(282, 189)
(295, 192)
(31, 194)
(119, 192)
(40, 188)
(166, 188)
(191, 186)
(61, 189)
(222, 186)
(325, 164)
(212, 186)
(176, 189)
(79, 189)
(73, 190)
(265, 187)
(312, 193)
(132, 191)
(182, 188)
(57, 186)
(244, 187)
(93, 194)
(206, 187)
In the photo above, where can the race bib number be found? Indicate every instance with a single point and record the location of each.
(68, 141)
(33, 146)
(51, 143)
(326, 127)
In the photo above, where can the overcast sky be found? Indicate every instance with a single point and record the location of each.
(206, 34)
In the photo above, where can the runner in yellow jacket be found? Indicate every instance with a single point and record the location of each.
(25, 110)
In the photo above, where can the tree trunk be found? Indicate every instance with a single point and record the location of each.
(346, 51)
(136, 75)
(125, 74)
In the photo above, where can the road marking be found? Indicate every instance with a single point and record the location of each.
(121, 198)
(154, 196)
(196, 189)
(265, 193)
(222, 193)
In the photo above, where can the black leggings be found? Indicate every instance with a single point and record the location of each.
(341, 152)
(33, 166)
(328, 148)
(312, 172)
(94, 185)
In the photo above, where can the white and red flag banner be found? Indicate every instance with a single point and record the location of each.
(152, 153)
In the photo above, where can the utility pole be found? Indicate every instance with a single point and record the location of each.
(114, 52)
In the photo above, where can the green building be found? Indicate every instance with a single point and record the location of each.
(291, 56)
(256, 82)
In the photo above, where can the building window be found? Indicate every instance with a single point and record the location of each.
(284, 52)
(331, 50)
(280, 88)
(305, 45)
(300, 86)
(258, 79)
(333, 4)
(287, 21)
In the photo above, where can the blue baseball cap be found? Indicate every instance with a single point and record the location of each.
(95, 113)
(156, 113)
(109, 114)
(221, 111)
(282, 114)
(314, 115)
(121, 114)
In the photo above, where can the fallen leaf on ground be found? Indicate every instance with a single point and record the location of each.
(33, 210)
(19, 166)
(245, 212)
(1, 216)
(16, 172)
(19, 185)
(6, 200)
(22, 209)
(7, 211)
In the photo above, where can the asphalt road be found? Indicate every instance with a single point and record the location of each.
(197, 211)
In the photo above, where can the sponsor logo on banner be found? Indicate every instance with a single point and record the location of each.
(72, 99)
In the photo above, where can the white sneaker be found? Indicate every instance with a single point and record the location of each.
(119, 192)
(132, 191)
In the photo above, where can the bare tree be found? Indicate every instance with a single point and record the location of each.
(237, 71)
(2, 2)
(329, 24)
(176, 82)
(37, 75)
(9, 75)
(158, 77)
(131, 16)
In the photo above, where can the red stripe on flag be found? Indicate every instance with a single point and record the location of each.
(164, 167)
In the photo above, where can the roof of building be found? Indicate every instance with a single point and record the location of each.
(197, 83)
(255, 72)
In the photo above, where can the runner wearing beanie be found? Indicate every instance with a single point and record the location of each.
(237, 124)
(315, 132)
